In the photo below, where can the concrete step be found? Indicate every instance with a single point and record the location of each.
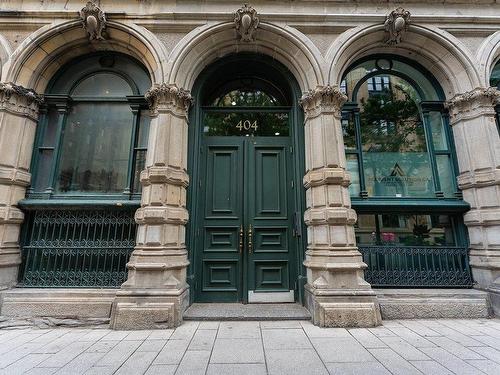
(433, 303)
(253, 311)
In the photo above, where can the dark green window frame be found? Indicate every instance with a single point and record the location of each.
(351, 109)
(60, 105)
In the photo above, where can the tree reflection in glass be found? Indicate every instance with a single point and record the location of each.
(395, 158)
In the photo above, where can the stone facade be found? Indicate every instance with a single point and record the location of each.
(317, 41)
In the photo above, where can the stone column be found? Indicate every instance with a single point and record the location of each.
(336, 293)
(18, 119)
(156, 292)
(472, 116)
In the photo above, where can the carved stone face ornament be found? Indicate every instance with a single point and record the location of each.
(93, 20)
(246, 22)
(396, 23)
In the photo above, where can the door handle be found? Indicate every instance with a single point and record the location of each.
(250, 244)
(241, 238)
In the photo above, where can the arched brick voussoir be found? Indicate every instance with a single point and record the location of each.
(488, 55)
(438, 51)
(212, 41)
(40, 55)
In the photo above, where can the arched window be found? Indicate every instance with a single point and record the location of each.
(90, 147)
(400, 155)
(495, 82)
(92, 135)
(395, 132)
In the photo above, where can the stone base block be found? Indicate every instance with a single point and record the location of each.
(57, 303)
(494, 297)
(343, 308)
(148, 309)
(433, 303)
(8, 276)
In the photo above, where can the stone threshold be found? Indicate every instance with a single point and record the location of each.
(251, 311)
(84, 304)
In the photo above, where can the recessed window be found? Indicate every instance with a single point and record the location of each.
(92, 135)
(395, 135)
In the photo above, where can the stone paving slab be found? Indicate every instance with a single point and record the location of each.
(257, 347)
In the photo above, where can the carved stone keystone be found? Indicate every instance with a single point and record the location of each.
(396, 24)
(246, 22)
(93, 20)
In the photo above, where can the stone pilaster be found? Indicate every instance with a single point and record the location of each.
(472, 117)
(156, 292)
(18, 119)
(336, 293)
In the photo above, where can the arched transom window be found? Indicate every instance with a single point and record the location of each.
(395, 132)
(92, 136)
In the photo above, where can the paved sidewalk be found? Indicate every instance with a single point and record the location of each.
(283, 347)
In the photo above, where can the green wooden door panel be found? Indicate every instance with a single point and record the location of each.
(219, 260)
(245, 181)
(269, 210)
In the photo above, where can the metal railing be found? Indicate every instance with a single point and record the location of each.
(416, 266)
(77, 248)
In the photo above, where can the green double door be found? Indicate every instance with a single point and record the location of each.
(246, 249)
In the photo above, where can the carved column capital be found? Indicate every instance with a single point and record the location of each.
(396, 24)
(323, 99)
(477, 102)
(246, 22)
(168, 98)
(19, 100)
(93, 21)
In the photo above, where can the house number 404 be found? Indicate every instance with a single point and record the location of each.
(247, 125)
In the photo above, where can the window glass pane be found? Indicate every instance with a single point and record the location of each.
(405, 230)
(103, 84)
(255, 98)
(246, 123)
(395, 158)
(139, 166)
(144, 121)
(49, 136)
(438, 131)
(495, 76)
(95, 148)
(378, 82)
(43, 170)
(349, 130)
(446, 175)
(353, 169)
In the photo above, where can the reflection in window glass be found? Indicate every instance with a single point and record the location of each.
(349, 130)
(437, 129)
(103, 84)
(353, 169)
(253, 98)
(95, 148)
(395, 158)
(405, 230)
(446, 175)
